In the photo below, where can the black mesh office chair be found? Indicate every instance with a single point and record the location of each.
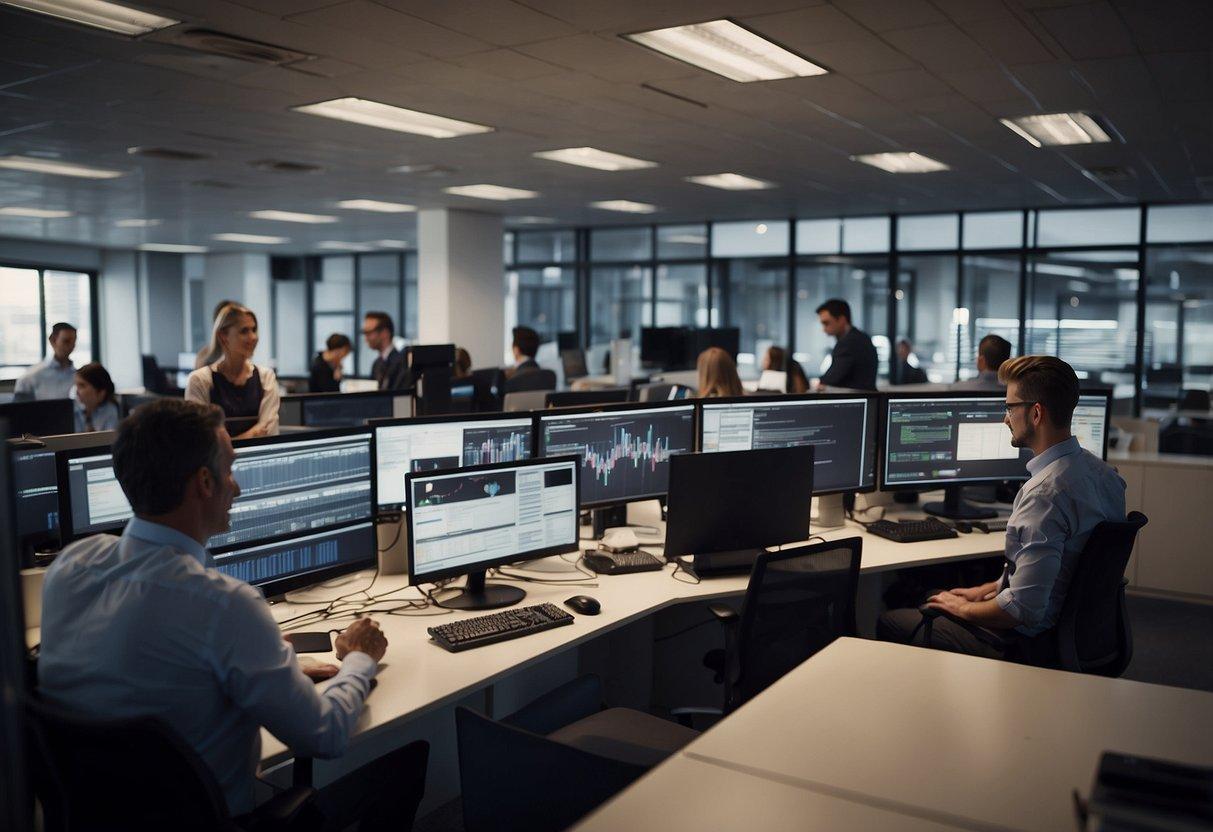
(1093, 633)
(555, 760)
(797, 602)
(530, 380)
(486, 389)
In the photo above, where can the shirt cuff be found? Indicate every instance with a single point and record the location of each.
(1006, 600)
(360, 664)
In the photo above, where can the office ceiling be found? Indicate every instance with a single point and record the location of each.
(931, 76)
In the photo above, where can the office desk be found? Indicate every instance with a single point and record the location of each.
(943, 735)
(418, 676)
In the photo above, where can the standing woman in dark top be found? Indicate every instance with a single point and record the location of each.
(242, 390)
(325, 376)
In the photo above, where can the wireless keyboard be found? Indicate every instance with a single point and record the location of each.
(498, 626)
(912, 531)
(621, 563)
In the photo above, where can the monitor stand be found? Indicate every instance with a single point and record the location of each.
(478, 595)
(608, 517)
(830, 513)
(955, 508)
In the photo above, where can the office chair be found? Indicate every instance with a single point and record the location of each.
(530, 380)
(1195, 438)
(156, 380)
(572, 361)
(1195, 400)
(556, 759)
(519, 402)
(798, 601)
(100, 775)
(656, 392)
(1092, 634)
(487, 389)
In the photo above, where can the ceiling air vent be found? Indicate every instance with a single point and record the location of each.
(217, 43)
(169, 153)
(282, 166)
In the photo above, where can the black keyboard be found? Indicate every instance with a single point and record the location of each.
(498, 626)
(912, 531)
(621, 563)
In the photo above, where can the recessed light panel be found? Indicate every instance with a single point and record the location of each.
(1058, 129)
(173, 248)
(624, 205)
(376, 205)
(901, 162)
(33, 213)
(731, 182)
(292, 216)
(340, 245)
(137, 223)
(256, 239)
(98, 13)
(495, 192)
(592, 157)
(393, 244)
(723, 47)
(35, 165)
(388, 117)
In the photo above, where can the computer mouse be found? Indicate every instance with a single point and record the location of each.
(583, 604)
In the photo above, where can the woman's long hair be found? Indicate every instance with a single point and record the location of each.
(717, 374)
(228, 316)
(99, 377)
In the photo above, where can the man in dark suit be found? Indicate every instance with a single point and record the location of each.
(389, 369)
(525, 347)
(853, 361)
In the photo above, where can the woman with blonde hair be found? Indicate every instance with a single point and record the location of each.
(717, 374)
(247, 394)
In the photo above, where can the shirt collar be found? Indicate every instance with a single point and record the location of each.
(1038, 463)
(386, 351)
(988, 375)
(69, 367)
(151, 532)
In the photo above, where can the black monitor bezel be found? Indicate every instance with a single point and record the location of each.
(556, 413)
(874, 414)
(63, 460)
(279, 586)
(933, 485)
(303, 398)
(388, 509)
(62, 409)
(53, 444)
(457, 571)
(1104, 393)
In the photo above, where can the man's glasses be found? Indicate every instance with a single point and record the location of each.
(1011, 405)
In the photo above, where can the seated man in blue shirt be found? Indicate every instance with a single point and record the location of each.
(1069, 492)
(143, 624)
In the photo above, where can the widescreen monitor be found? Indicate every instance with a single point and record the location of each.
(466, 521)
(405, 446)
(1090, 422)
(623, 450)
(46, 417)
(841, 429)
(343, 410)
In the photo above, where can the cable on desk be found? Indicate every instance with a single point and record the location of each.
(395, 539)
(680, 566)
(587, 580)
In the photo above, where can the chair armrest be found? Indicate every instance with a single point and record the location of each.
(982, 634)
(281, 812)
(724, 613)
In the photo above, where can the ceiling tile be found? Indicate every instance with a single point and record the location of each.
(904, 85)
(1183, 76)
(375, 22)
(1168, 25)
(859, 57)
(508, 64)
(1092, 30)
(986, 85)
(1008, 40)
(941, 47)
(610, 58)
(802, 28)
(499, 22)
(967, 10)
(883, 15)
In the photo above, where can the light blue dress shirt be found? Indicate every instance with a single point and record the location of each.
(142, 625)
(105, 417)
(48, 380)
(1070, 491)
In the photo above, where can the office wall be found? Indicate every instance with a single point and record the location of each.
(118, 301)
(245, 278)
(162, 307)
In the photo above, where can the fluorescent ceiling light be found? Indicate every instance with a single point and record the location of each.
(731, 182)
(339, 245)
(291, 216)
(134, 223)
(1058, 129)
(35, 165)
(259, 239)
(901, 162)
(34, 213)
(98, 13)
(376, 205)
(497, 192)
(173, 248)
(530, 220)
(374, 114)
(393, 244)
(625, 205)
(592, 157)
(723, 47)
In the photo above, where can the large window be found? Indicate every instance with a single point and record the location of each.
(619, 302)
(1179, 323)
(542, 298)
(863, 282)
(926, 307)
(989, 305)
(333, 305)
(754, 297)
(682, 295)
(33, 301)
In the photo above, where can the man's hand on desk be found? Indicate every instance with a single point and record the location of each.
(950, 602)
(363, 636)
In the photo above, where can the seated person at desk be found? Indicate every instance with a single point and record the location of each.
(207, 354)
(905, 372)
(96, 401)
(717, 375)
(853, 359)
(525, 347)
(389, 369)
(463, 364)
(143, 625)
(1069, 492)
(777, 358)
(325, 376)
(55, 377)
(992, 351)
(242, 390)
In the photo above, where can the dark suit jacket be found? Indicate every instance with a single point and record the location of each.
(392, 373)
(320, 379)
(528, 366)
(910, 375)
(853, 362)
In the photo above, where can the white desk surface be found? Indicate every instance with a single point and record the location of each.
(996, 743)
(688, 795)
(418, 676)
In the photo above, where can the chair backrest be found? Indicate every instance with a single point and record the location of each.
(1194, 400)
(573, 363)
(1093, 634)
(514, 779)
(797, 602)
(531, 380)
(487, 389)
(524, 401)
(119, 774)
(656, 392)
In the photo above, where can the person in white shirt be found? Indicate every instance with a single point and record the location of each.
(143, 624)
(55, 377)
(246, 393)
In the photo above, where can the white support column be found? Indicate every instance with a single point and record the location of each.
(460, 282)
(245, 278)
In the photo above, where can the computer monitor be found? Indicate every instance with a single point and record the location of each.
(405, 446)
(466, 521)
(623, 450)
(949, 440)
(1090, 422)
(343, 410)
(45, 417)
(582, 398)
(305, 512)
